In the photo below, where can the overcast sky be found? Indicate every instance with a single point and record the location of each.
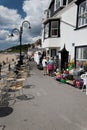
(13, 13)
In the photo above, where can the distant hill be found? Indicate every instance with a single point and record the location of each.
(24, 48)
(16, 49)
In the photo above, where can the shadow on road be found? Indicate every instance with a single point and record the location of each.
(5, 111)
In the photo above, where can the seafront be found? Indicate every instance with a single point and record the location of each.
(7, 57)
(50, 105)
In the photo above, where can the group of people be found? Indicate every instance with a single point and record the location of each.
(48, 66)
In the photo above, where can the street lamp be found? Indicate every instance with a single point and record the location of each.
(20, 31)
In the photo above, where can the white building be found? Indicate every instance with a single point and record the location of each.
(66, 23)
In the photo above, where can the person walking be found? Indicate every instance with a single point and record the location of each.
(50, 66)
(44, 64)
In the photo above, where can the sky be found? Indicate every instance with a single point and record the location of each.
(12, 15)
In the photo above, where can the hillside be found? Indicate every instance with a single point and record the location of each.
(24, 48)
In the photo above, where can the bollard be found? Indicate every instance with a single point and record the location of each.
(9, 67)
(0, 70)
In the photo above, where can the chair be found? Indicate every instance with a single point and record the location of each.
(17, 86)
(0, 92)
(10, 78)
(84, 78)
(3, 94)
(24, 75)
(10, 74)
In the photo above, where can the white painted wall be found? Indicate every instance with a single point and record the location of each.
(51, 42)
(67, 31)
(68, 34)
(36, 57)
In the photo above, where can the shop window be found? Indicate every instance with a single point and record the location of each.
(81, 53)
(81, 56)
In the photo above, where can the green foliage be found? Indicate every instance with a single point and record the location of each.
(16, 49)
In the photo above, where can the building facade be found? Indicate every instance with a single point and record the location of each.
(65, 26)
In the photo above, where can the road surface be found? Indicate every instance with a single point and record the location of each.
(50, 105)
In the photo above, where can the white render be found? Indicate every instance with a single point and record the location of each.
(36, 57)
(68, 34)
(51, 42)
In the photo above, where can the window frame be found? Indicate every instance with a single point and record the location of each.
(46, 30)
(54, 29)
(48, 23)
(56, 6)
(80, 23)
(80, 54)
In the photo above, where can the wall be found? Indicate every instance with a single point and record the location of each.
(68, 34)
(51, 42)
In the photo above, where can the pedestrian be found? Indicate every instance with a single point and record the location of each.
(50, 66)
(17, 67)
(44, 64)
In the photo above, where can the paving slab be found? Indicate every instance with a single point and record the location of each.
(48, 105)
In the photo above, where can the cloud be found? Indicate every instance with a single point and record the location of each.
(34, 13)
(9, 19)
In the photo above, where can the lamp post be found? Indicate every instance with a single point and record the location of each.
(20, 31)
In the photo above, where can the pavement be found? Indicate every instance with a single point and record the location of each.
(48, 105)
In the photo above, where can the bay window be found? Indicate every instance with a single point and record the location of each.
(46, 30)
(54, 28)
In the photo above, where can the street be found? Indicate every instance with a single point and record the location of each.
(50, 105)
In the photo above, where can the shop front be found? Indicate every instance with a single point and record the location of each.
(81, 57)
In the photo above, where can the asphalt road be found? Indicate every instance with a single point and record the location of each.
(50, 105)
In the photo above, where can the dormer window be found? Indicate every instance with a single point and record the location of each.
(58, 4)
